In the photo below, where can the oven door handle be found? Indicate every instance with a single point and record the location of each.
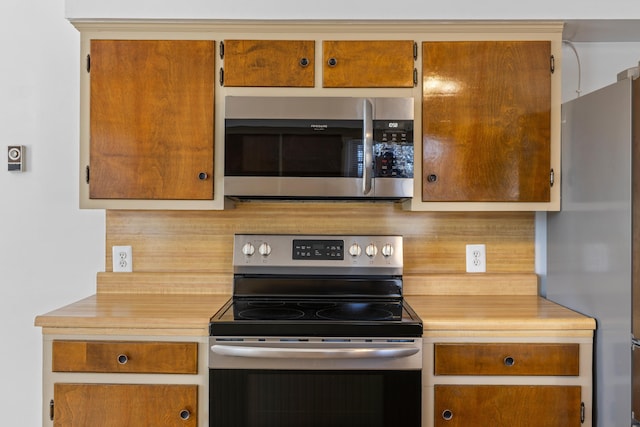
(313, 353)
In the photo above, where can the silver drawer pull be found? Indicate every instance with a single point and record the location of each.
(122, 359)
(447, 414)
(509, 361)
(185, 414)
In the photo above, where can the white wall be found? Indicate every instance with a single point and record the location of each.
(354, 9)
(600, 64)
(50, 251)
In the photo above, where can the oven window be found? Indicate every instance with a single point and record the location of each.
(275, 398)
(293, 148)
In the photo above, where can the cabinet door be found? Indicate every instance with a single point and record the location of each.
(368, 63)
(118, 405)
(486, 121)
(507, 406)
(151, 119)
(269, 63)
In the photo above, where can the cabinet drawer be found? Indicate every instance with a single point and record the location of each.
(125, 356)
(269, 63)
(368, 63)
(507, 359)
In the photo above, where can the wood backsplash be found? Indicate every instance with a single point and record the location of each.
(434, 242)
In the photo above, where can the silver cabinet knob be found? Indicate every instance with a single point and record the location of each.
(447, 414)
(185, 414)
(122, 359)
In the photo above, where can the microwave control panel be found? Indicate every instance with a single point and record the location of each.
(393, 148)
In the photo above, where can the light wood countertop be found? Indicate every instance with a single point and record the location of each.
(120, 311)
(175, 312)
(491, 312)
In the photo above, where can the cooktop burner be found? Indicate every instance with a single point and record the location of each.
(316, 310)
(356, 311)
(264, 313)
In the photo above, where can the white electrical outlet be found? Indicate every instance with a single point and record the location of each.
(122, 259)
(476, 259)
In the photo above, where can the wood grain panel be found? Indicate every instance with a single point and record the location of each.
(507, 406)
(165, 283)
(491, 359)
(469, 284)
(387, 63)
(269, 63)
(486, 121)
(141, 357)
(434, 242)
(180, 283)
(151, 119)
(117, 405)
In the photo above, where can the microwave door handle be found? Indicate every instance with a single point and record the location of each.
(314, 353)
(367, 147)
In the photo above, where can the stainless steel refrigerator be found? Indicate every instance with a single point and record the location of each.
(592, 243)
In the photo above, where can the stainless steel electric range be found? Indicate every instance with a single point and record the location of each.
(317, 333)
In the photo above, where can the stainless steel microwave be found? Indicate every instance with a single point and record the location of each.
(318, 147)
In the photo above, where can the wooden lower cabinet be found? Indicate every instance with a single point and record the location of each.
(490, 380)
(507, 405)
(125, 381)
(118, 405)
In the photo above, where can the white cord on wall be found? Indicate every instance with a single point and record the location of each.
(573, 48)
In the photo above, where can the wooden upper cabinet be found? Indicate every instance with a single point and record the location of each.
(269, 63)
(355, 64)
(151, 119)
(486, 118)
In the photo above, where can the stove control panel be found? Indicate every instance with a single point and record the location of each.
(269, 250)
(318, 249)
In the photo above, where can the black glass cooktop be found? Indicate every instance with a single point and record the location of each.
(317, 310)
(316, 317)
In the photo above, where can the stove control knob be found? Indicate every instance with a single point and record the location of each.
(264, 249)
(387, 250)
(355, 250)
(371, 250)
(248, 249)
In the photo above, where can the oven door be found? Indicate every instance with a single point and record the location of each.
(315, 383)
